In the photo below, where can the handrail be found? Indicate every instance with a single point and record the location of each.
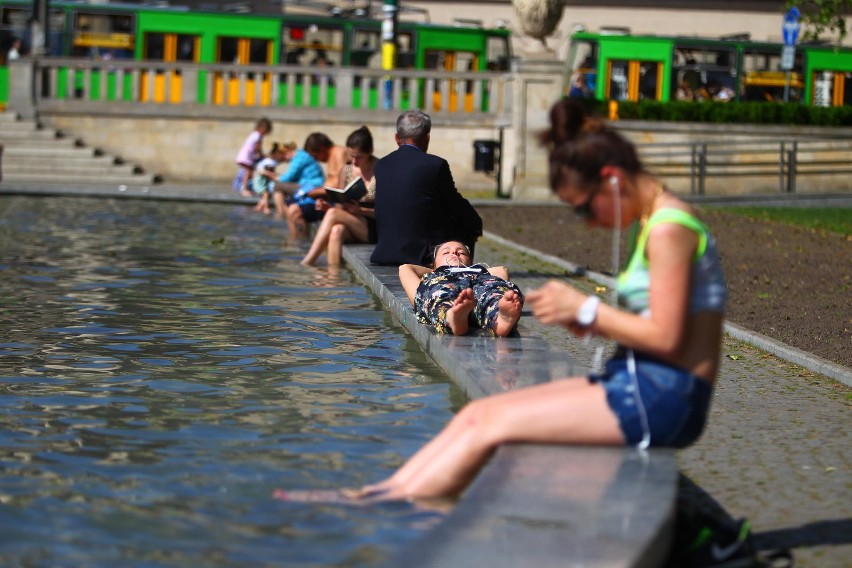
(127, 82)
(700, 161)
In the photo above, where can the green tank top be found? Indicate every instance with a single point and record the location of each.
(707, 287)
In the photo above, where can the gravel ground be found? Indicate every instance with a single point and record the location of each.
(788, 283)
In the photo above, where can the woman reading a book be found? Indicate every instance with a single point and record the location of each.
(348, 221)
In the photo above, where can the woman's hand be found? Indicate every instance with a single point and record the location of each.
(351, 207)
(323, 205)
(556, 303)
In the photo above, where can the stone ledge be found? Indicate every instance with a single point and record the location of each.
(534, 505)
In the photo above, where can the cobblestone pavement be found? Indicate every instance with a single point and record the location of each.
(776, 449)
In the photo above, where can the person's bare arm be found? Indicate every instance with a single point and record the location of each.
(409, 277)
(499, 272)
(287, 187)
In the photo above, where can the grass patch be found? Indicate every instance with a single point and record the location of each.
(835, 219)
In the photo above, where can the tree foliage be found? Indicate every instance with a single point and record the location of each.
(823, 16)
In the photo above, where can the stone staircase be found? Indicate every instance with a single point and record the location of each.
(36, 154)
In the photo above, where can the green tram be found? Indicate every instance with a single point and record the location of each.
(114, 31)
(616, 65)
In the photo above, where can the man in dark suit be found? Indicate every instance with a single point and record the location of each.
(417, 203)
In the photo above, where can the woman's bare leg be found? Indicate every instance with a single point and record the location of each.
(263, 203)
(339, 235)
(320, 241)
(355, 225)
(279, 200)
(568, 411)
(296, 223)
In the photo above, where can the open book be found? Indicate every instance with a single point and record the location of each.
(355, 190)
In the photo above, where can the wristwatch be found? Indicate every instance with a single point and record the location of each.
(588, 311)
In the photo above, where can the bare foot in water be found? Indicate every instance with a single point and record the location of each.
(508, 313)
(457, 315)
(362, 496)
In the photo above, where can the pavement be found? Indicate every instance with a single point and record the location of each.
(776, 448)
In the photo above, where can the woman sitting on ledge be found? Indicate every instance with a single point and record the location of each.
(454, 296)
(348, 222)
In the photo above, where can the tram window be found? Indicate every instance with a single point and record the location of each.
(633, 80)
(155, 47)
(832, 89)
(648, 81)
(847, 88)
(704, 73)
(434, 60)
(259, 51)
(228, 50)
(304, 44)
(169, 47)
(405, 57)
(768, 61)
(764, 80)
(186, 48)
(99, 35)
(583, 59)
(498, 54)
(366, 49)
(618, 81)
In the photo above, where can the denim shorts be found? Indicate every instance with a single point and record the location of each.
(675, 401)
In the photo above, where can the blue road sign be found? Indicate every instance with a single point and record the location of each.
(790, 29)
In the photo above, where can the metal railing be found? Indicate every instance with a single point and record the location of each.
(784, 160)
(280, 86)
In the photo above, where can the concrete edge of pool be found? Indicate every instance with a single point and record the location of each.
(534, 505)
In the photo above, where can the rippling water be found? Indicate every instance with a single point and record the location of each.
(165, 366)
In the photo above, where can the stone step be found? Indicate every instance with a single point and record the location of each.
(37, 154)
(50, 149)
(104, 179)
(16, 168)
(28, 132)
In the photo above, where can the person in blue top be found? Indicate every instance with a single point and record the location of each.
(303, 182)
(656, 388)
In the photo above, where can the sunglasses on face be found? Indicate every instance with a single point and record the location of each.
(584, 210)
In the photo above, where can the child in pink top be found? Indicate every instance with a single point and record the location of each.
(250, 153)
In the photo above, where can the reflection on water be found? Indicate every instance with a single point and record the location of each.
(165, 366)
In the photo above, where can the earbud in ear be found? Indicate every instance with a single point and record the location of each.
(613, 181)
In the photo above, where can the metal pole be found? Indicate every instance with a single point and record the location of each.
(692, 168)
(390, 10)
(500, 164)
(787, 87)
(791, 167)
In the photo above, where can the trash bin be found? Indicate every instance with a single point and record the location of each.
(483, 155)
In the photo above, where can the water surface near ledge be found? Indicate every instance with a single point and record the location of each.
(165, 366)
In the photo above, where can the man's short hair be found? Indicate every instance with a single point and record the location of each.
(316, 142)
(413, 125)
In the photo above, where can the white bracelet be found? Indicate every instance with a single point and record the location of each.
(588, 311)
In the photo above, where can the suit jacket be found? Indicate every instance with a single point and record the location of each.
(418, 207)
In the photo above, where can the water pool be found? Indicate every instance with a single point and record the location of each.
(165, 366)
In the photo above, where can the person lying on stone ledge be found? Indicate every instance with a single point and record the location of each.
(456, 296)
